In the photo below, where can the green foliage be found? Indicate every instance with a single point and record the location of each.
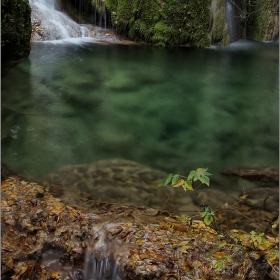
(200, 174)
(208, 215)
(264, 20)
(258, 239)
(185, 218)
(165, 23)
(15, 29)
(221, 264)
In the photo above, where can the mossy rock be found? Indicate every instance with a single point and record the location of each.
(165, 23)
(264, 21)
(219, 32)
(16, 29)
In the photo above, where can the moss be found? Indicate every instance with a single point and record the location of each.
(264, 21)
(16, 29)
(220, 30)
(165, 23)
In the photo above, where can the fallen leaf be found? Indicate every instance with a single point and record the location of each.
(219, 255)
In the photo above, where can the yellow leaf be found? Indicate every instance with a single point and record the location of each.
(178, 184)
(188, 185)
(183, 243)
(185, 248)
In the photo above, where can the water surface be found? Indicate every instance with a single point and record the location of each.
(77, 103)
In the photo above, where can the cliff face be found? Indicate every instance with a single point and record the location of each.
(244, 19)
(165, 23)
(16, 29)
(173, 23)
(264, 20)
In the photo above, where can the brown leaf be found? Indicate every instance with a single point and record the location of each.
(219, 255)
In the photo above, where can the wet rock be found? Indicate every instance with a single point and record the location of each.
(264, 198)
(214, 198)
(254, 175)
(114, 181)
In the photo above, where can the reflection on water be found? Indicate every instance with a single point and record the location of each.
(167, 108)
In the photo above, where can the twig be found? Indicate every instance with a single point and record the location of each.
(35, 115)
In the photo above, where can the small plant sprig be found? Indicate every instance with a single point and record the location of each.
(259, 239)
(200, 174)
(208, 215)
(177, 180)
(221, 264)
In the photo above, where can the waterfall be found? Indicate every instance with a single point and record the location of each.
(104, 269)
(233, 21)
(53, 24)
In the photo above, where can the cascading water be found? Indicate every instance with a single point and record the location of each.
(54, 24)
(105, 269)
(232, 19)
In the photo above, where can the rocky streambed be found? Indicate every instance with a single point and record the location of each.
(50, 229)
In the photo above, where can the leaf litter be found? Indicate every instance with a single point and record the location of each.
(145, 243)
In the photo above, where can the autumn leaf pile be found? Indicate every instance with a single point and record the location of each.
(159, 247)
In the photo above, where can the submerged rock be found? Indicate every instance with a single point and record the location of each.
(115, 181)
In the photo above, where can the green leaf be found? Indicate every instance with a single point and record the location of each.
(175, 178)
(201, 170)
(220, 264)
(205, 180)
(165, 181)
(188, 185)
(208, 219)
(168, 179)
(228, 258)
(162, 183)
(275, 224)
(207, 174)
(192, 173)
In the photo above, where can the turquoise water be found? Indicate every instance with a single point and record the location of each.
(171, 109)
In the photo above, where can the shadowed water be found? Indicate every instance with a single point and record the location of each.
(79, 102)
